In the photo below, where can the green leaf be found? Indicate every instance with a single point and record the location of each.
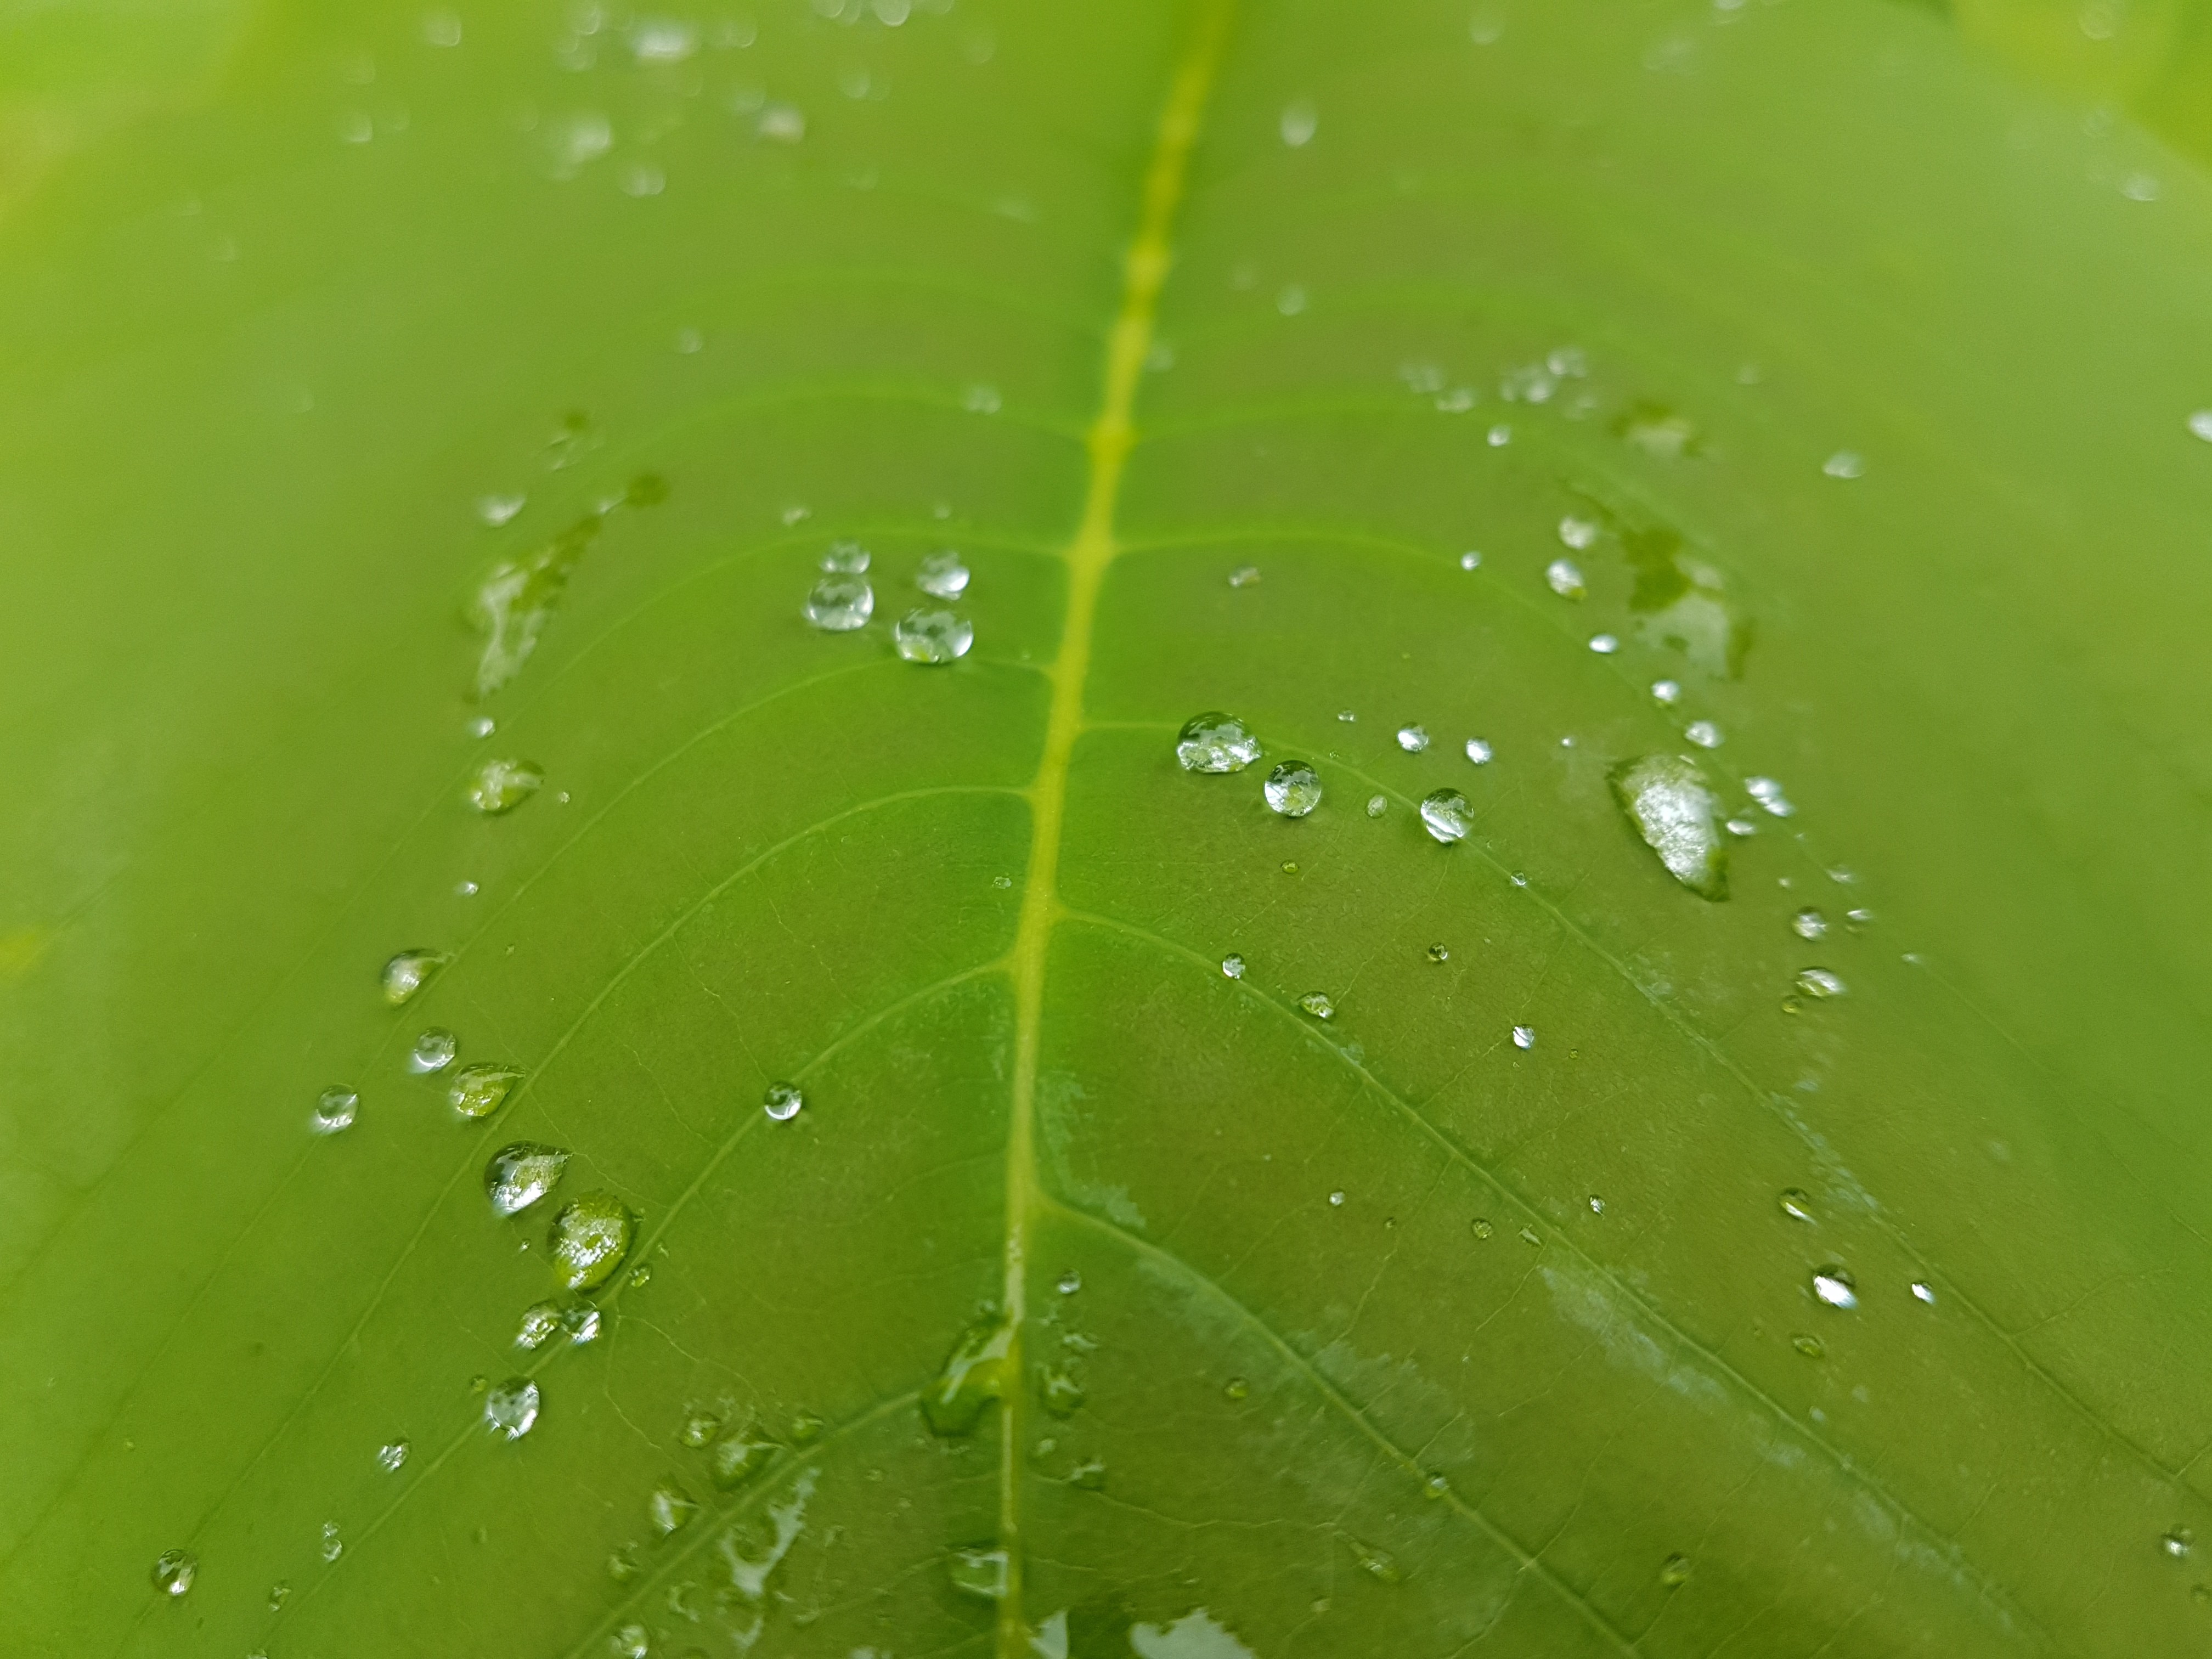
(917, 1170)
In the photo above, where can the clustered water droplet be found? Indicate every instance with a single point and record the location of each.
(942, 576)
(590, 1237)
(933, 636)
(479, 1090)
(408, 972)
(1292, 789)
(1215, 742)
(520, 1175)
(434, 1051)
(840, 603)
(501, 786)
(1446, 816)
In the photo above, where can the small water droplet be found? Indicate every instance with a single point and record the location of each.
(669, 1508)
(1377, 805)
(333, 1546)
(979, 1572)
(1291, 301)
(846, 559)
(1809, 923)
(1215, 742)
(933, 636)
(1580, 534)
(1298, 123)
(1479, 751)
(465, 890)
(582, 1325)
(699, 1428)
(1069, 1283)
(1232, 966)
(335, 1109)
(1768, 794)
(520, 1175)
(1596, 1204)
(1481, 1227)
(1704, 734)
(1439, 953)
(1819, 982)
(1244, 575)
(838, 605)
(1666, 692)
(641, 1275)
(1674, 1572)
(1412, 738)
(483, 727)
(434, 1051)
(2178, 1542)
(479, 1090)
(977, 1372)
(1668, 804)
(1810, 1347)
(1090, 1474)
(1796, 1204)
(942, 576)
(782, 1100)
(1742, 829)
(2200, 424)
(981, 399)
(1437, 1486)
(738, 1457)
(496, 510)
(407, 973)
(590, 1237)
(174, 1571)
(1499, 436)
(1923, 1291)
(277, 1592)
(391, 1455)
(806, 1427)
(1377, 1563)
(540, 1324)
(1470, 561)
(1844, 463)
(1518, 879)
(1062, 1393)
(1834, 1286)
(782, 124)
(511, 1409)
(1317, 1004)
(631, 1641)
(1292, 789)
(1237, 1388)
(1604, 644)
(1524, 1036)
(1446, 816)
(1336, 1199)
(1564, 578)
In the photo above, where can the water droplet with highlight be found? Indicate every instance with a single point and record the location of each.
(981, 1573)
(1604, 644)
(1292, 789)
(1215, 742)
(1470, 561)
(1237, 1388)
(1336, 1199)
(1377, 805)
(582, 1325)
(1062, 1393)
(981, 399)
(1668, 805)
(1923, 1291)
(335, 1109)
(1439, 953)
(590, 1237)
(1480, 1227)
(1564, 578)
(977, 1372)
(838, 605)
(511, 1409)
(174, 1571)
(333, 1546)
(1844, 463)
(1524, 1036)
(1768, 794)
(631, 1641)
(942, 576)
(501, 786)
(1244, 575)
(1317, 1004)
(1479, 751)
(496, 510)
(669, 1508)
(1666, 692)
(1412, 738)
(1232, 966)
(434, 1051)
(1437, 1486)
(1704, 734)
(2200, 424)
(2178, 1542)
(520, 1175)
(1796, 1205)
(1674, 1572)
(782, 1100)
(738, 1457)
(540, 1324)
(699, 1428)
(1446, 815)
(1835, 1288)
(479, 1090)
(1819, 982)
(1809, 923)
(1298, 123)
(407, 973)
(391, 1455)
(1069, 1283)
(1810, 1347)
(933, 636)
(1377, 1563)
(1580, 534)
(846, 559)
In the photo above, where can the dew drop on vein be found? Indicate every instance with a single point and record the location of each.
(1232, 966)
(174, 1570)
(1446, 816)
(510, 1411)
(1215, 742)
(1317, 1004)
(932, 637)
(333, 1546)
(1292, 789)
(669, 1509)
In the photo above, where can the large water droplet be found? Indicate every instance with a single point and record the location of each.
(1524, 1036)
(1292, 789)
(1412, 738)
(933, 636)
(335, 1109)
(1446, 815)
(1215, 742)
(669, 1508)
(942, 576)
(511, 1409)
(983, 1573)
(1564, 578)
(521, 1174)
(1667, 801)
(590, 1237)
(479, 1090)
(434, 1051)
(846, 559)
(1834, 1286)
(838, 605)
(782, 1100)
(501, 786)
(408, 972)
(977, 1373)
(174, 1571)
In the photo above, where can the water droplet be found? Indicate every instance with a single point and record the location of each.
(1215, 742)
(806, 1427)
(582, 1325)
(1499, 436)
(1336, 1199)
(511, 1409)
(434, 1051)
(1479, 751)
(933, 636)
(174, 1571)
(521, 1174)
(1090, 1474)
(1317, 1004)
(1604, 644)
(1412, 738)
(1844, 463)
(1796, 1205)
(838, 605)
(482, 726)
(1439, 953)
(408, 972)
(391, 1455)
(1581, 534)
(782, 124)
(1674, 1572)
(2178, 1542)
(541, 1323)
(632, 1641)
(1740, 827)
(1597, 1205)
(942, 576)
(1070, 1282)
(1666, 692)
(1819, 982)
(846, 559)
(1237, 1388)
(1834, 1286)
(1292, 789)
(1809, 923)
(2200, 423)
(1470, 561)
(1565, 579)
(1377, 805)
(1446, 815)
(277, 1592)
(465, 890)
(669, 1508)
(1377, 1563)
(590, 1237)
(335, 1109)
(1481, 1227)
(1524, 1036)
(479, 1090)
(1437, 1486)
(1668, 805)
(1062, 1393)
(699, 1428)
(496, 510)
(333, 1546)
(1244, 575)
(1858, 919)
(782, 1100)
(738, 1457)
(1704, 734)
(981, 399)
(1809, 1346)
(1768, 794)
(1232, 966)
(1291, 301)
(1298, 123)
(442, 28)
(1923, 1291)
(979, 1572)
(976, 1373)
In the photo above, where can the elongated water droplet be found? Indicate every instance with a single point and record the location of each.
(1292, 789)
(1796, 1204)
(1377, 805)
(1215, 742)
(1768, 794)
(408, 972)
(1317, 1004)
(1375, 1562)
(979, 1572)
(174, 1570)
(1844, 463)
(1704, 734)
(838, 605)
(1062, 1393)
(1923, 1291)
(1446, 816)
(1564, 578)
(1232, 965)
(391, 1455)
(1819, 982)
(1412, 738)
(942, 576)
(1810, 1347)
(1524, 1036)
(335, 1109)
(590, 1237)
(1833, 1286)
(738, 1456)
(521, 1174)
(333, 1546)
(479, 1090)
(1809, 923)
(669, 1508)
(510, 1410)
(782, 1100)
(501, 786)
(1668, 804)
(434, 1051)
(976, 1373)
(846, 559)
(541, 1323)
(1298, 123)
(933, 636)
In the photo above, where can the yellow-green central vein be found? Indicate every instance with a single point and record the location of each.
(1106, 443)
